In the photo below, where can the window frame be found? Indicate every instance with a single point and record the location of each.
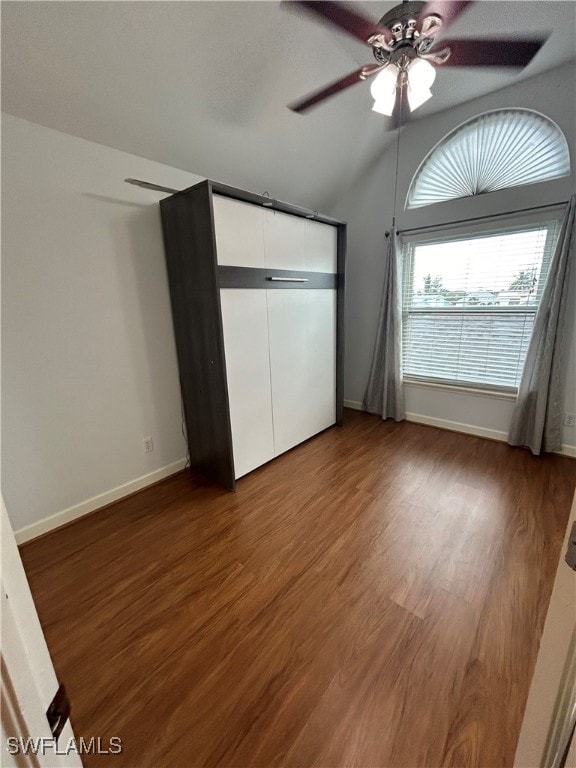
(462, 231)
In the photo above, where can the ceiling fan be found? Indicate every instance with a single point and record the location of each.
(405, 48)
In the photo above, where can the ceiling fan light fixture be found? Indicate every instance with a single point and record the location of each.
(384, 106)
(403, 44)
(383, 90)
(417, 97)
(421, 75)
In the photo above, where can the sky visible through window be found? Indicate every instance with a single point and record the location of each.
(492, 263)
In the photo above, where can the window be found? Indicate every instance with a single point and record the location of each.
(496, 150)
(469, 302)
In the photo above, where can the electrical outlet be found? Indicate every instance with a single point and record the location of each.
(148, 445)
(570, 419)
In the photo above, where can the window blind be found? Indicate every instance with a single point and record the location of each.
(469, 302)
(496, 150)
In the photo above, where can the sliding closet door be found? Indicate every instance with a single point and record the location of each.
(284, 241)
(239, 229)
(288, 366)
(321, 370)
(302, 333)
(321, 247)
(245, 325)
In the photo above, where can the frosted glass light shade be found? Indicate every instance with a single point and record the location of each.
(421, 75)
(383, 90)
(496, 150)
(417, 97)
(384, 106)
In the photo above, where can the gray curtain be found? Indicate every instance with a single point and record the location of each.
(384, 394)
(536, 421)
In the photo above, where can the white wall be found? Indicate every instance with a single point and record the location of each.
(368, 206)
(89, 362)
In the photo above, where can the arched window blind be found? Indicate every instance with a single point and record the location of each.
(496, 150)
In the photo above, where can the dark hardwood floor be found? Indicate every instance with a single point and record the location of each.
(373, 598)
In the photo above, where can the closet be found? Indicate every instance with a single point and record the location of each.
(257, 292)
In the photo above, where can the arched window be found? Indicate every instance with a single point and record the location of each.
(495, 150)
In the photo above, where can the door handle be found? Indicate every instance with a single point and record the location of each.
(58, 712)
(288, 279)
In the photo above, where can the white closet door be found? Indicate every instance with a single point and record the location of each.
(301, 326)
(284, 240)
(245, 323)
(321, 247)
(288, 366)
(239, 233)
(321, 337)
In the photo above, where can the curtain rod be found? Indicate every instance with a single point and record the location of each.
(479, 218)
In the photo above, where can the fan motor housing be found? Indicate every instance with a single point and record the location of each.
(402, 14)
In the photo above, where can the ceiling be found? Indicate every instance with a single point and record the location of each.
(203, 86)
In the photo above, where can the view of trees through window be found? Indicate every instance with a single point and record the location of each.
(524, 282)
(501, 269)
(469, 304)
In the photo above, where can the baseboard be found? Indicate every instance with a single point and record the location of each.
(467, 429)
(354, 405)
(471, 429)
(34, 530)
(457, 426)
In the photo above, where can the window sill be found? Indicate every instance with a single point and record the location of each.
(492, 394)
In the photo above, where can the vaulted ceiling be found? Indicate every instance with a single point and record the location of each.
(203, 86)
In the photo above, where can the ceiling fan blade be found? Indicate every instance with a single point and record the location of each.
(348, 20)
(401, 112)
(339, 85)
(491, 53)
(448, 10)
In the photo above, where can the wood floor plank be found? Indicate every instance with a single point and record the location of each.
(371, 599)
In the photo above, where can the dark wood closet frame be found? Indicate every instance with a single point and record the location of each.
(195, 280)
